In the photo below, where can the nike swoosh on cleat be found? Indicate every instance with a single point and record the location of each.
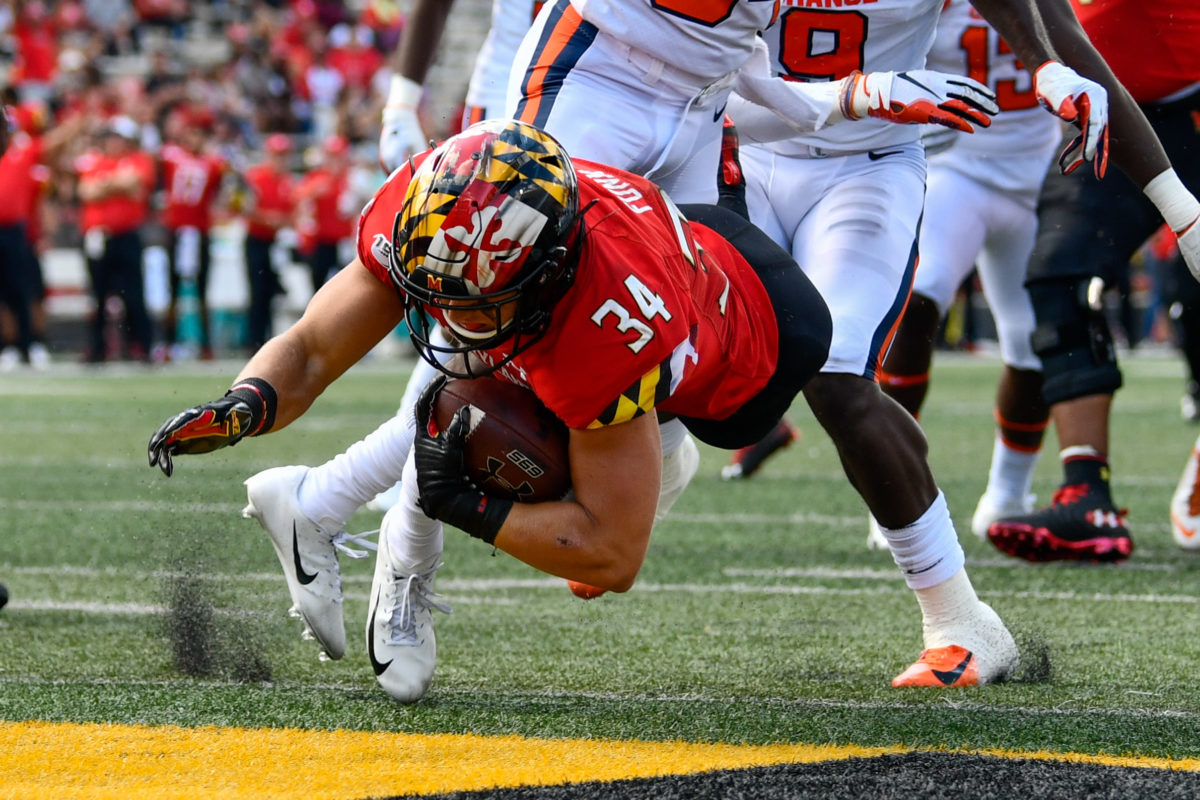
(305, 578)
(948, 677)
(874, 156)
(375, 665)
(720, 112)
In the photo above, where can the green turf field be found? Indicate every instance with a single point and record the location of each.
(759, 616)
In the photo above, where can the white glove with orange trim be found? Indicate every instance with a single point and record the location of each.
(1082, 102)
(919, 96)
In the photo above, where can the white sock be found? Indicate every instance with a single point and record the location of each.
(339, 487)
(414, 540)
(927, 551)
(948, 603)
(1011, 473)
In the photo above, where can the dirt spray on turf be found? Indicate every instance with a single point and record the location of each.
(205, 641)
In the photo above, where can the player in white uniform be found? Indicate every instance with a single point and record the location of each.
(980, 210)
(847, 203)
(637, 86)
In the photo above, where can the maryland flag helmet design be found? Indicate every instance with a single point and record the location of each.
(490, 219)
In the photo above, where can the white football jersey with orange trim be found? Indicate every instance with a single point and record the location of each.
(706, 38)
(489, 82)
(826, 40)
(1012, 155)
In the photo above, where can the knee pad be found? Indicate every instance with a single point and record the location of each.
(1073, 340)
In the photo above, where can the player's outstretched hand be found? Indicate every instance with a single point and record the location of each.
(200, 429)
(920, 96)
(1083, 103)
(401, 136)
(444, 491)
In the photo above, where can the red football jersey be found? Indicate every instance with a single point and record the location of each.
(273, 197)
(192, 181)
(662, 314)
(1153, 48)
(327, 208)
(117, 214)
(18, 178)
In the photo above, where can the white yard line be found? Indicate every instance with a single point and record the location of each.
(885, 582)
(682, 700)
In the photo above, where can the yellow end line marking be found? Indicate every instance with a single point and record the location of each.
(100, 761)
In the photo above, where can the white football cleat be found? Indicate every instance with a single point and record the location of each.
(1185, 504)
(400, 638)
(992, 508)
(307, 553)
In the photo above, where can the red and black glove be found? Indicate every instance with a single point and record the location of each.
(444, 491)
(248, 409)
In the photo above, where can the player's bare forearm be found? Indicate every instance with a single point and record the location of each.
(422, 33)
(1044, 30)
(601, 536)
(344, 320)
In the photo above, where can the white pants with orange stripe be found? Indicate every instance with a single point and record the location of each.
(968, 224)
(609, 103)
(850, 221)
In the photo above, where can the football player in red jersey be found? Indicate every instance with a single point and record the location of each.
(326, 207)
(115, 184)
(580, 281)
(269, 206)
(1088, 231)
(192, 178)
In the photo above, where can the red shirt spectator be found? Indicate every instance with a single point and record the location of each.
(328, 209)
(272, 190)
(37, 48)
(18, 181)
(354, 56)
(115, 185)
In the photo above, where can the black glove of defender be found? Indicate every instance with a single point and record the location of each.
(444, 491)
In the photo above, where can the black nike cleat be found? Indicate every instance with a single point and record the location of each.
(1080, 524)
(747, 461)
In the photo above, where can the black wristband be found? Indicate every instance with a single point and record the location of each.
(477, 514)
(259, 396)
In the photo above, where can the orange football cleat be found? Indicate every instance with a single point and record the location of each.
(940, 667)
(584, 590)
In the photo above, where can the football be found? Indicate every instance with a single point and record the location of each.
(515, 447)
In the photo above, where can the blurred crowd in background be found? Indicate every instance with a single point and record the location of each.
(142, 132)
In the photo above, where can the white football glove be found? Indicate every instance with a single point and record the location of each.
(1084, 103)
(919, 96)
(401, 136)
